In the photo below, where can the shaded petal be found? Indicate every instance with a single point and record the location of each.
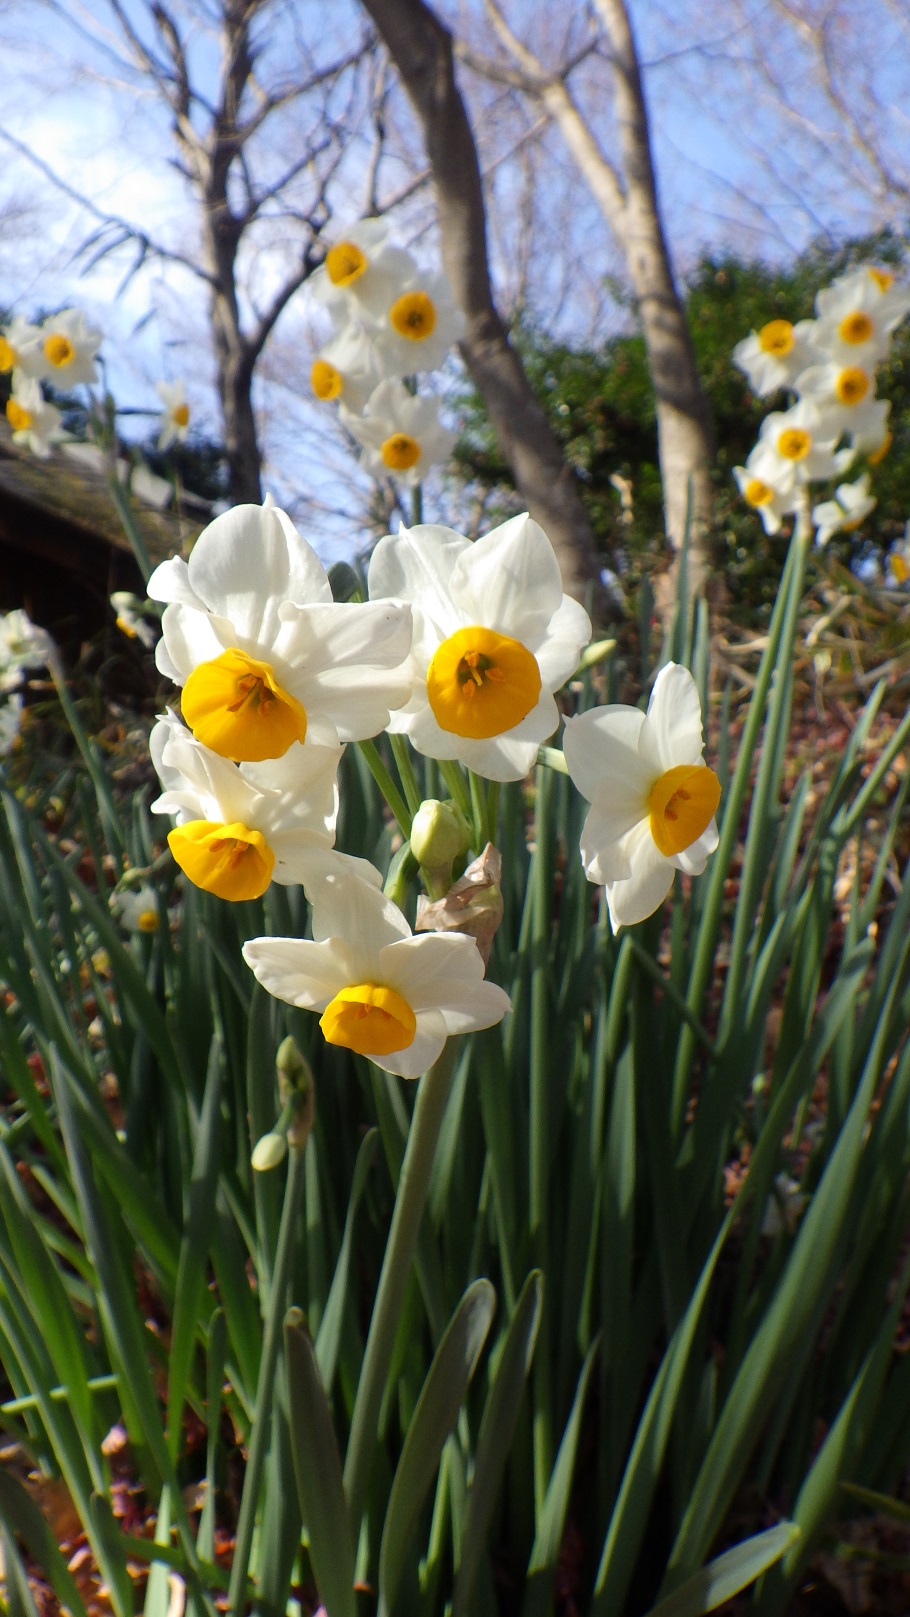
(605, 755)
(645, 889)
(428, 967)
(300, 972)
(171, 582)
(674, 717)
(694, 858)
(559, 653)
(424, 1049)
(345, 907)
(416, 564)
(249, 560)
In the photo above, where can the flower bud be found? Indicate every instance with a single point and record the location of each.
(440, 834)
(294, 1075)
(269, 1152)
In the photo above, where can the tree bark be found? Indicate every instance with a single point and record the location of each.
(421, 48)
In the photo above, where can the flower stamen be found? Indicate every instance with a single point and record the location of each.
(481, 683)
(682, 803)
(235, 705)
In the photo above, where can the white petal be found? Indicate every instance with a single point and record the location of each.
(248, 561)
(510, 580)
(425, 1048)
(171, 582)
(604, 753)
(646, 888)
(345, 907)
(427, 968)
(559, 653)
(694, 858)
(603, 859)
(674, 716)
(300, 972)
(416, 564)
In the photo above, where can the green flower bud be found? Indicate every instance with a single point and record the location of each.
(294, 1075)
(269, 1152)
(440, 834)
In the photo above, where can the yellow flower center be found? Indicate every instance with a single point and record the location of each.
(757, 493)
(7, 355)
(794, 443)
(369, 1018)
(882, 278)
(855, 328)
(345, 263)
(876, 456)
(776, 337)
(126, 628)
(58, 350)
(18, 417)
(413, 315)
(852, 385)
(481, 683)
(235, 705)
(400, 452)
(230, 861)
(148, 921)
(900, 568)
(852, 525)
(682, 803)
(180, 415)
(325, 380)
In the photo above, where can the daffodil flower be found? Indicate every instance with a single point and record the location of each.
(348, 368)
(856, 316)
(175, 419)
(400, 433)
(240, 827)
(494, 638)
(10, 723)
(13, 339)
(129, 618)
(264, 654)
(23, 645)
(851, 505)
(35, 423)
(774, 356)
(420, 325)
(897, 562)
(846, 395)
(62, 350)
(796, 446)
(137, 909)
(771, 502)
(653, 798)
(363, 273)
(379, 989)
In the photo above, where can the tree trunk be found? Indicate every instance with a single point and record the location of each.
(422, 50)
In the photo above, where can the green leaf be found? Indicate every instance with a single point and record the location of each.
(328, 1337)
(317, 1467)
(552, 1520)
(434, 1417)
(723, 1577)
(496, 1431)
(20, 1515)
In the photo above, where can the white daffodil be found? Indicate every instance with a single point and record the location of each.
(897, 563)
(420, 325)
(381, 990)
(348, 368)
(265, 656)
(851, 505)
(130, 621)
(239, 827)
(399, 432)
(62, 350)
(774, 356)
(494, 638)
(22, 646)
(363, 273)
(35, 423)
(13, 338)
(175, 418)
(846, 395)
(796, 446)
(771, 503)
(872, 436)
(653, 798)
(137, 909)
(856, 316)
(10, 723)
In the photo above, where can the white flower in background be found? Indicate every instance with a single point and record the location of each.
(130, 620)
(10, 723)
(363, 273)
(399, 432)
(774, 356)
(796, 446)
(265, 656)
(137, 909)
(494, 638)
(420, 326)
(897, 563)
(62, 350)
(653, 798)
(846, 395)
(239, 827)
(13, 338)
(35, 423)
(771, 503)
(856, 317)
(849, 508)
(175, 417)
(22, 646)
(380, 990)
(875, 438)
(784, 1206)
(348, 368)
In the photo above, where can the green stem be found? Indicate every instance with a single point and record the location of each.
(260, 1431)
(387, 786)
(410, 1201)
(129, 525)
(401, 752)
(479, 812)
(458, 789)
